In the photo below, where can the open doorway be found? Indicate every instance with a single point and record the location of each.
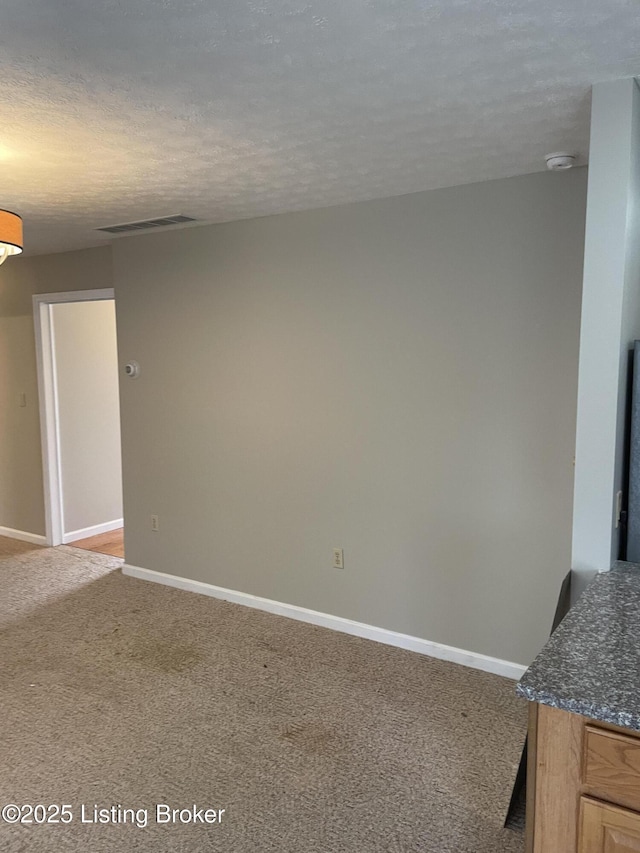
(80, 419)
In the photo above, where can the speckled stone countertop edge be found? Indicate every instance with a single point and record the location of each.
(565, 688)
(593, 710)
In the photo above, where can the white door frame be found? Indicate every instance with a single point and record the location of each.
(48, 398)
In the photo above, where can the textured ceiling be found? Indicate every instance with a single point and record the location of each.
(225, 109)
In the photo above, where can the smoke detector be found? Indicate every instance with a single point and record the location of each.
(559, 161)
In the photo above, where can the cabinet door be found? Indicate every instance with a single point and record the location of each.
(607, 829)
(611, 768)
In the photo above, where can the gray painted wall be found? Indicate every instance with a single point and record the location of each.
(397, 378)
(86, 367)
(610, 320)
(21, 489)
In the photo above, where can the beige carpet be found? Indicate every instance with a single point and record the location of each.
(117, 691)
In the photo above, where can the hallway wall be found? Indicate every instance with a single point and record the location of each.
(86, 363)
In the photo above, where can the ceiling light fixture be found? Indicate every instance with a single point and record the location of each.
(10, 234)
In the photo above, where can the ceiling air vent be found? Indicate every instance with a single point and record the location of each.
(145, 224)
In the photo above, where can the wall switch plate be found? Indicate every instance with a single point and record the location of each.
(338, 558)
(155, 523)
(23, 400)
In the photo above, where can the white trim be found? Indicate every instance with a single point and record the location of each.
(48, 400)
(336, 623)
(23, 536)
(48, 423)
(75, 296)
(94, 530)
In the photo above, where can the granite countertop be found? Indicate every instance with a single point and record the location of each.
(591, 664)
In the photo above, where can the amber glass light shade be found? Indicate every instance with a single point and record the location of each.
(10, 234)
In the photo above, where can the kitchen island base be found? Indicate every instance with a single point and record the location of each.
(583, 785)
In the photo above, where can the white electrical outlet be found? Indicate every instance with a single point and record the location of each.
(155, 523)
(338, 558)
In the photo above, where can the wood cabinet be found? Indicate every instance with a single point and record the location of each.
(607, 829)
(611, 766)
(583, 785)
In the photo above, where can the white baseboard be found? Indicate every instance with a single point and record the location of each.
(337, 623)
(23, 536)
(94, 530)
